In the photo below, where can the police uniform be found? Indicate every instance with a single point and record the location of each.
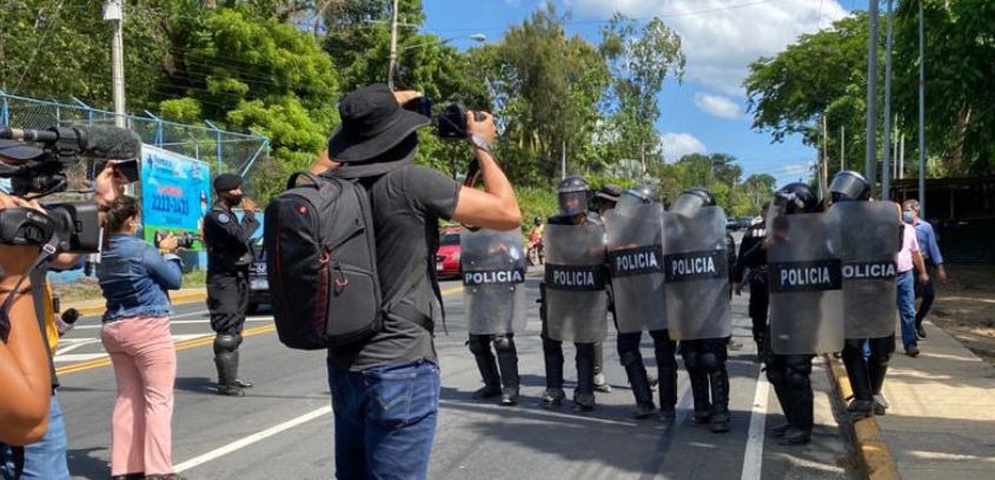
(752, 256)
(229, 256)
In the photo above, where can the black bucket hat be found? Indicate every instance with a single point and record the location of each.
(372, 124)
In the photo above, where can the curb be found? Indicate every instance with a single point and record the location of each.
(874, 455)
(176, 298)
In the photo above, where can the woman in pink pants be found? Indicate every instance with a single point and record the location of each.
(134, 278)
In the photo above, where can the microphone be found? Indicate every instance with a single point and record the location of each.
(97, 141)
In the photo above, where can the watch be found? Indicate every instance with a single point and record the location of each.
(482, 144)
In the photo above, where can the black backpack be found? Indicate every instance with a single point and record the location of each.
(321, 263)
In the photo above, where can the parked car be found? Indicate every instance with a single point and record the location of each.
(732, 223)
(258, 283)
(447, 257)
(745, 222)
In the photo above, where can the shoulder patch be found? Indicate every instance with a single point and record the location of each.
(224, 218)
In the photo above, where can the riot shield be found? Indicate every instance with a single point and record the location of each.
(493, 266)
(635, 264)
(804, 277)
(696, 267)
(870, 235)
(576, 302)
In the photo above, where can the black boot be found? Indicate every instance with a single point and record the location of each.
(862, 405)
(507, 359)
(719, 380)
(552, 353)
(488, 372)
(238, 381)
(584, 394)
(667, 387)
(227, 365)
(699, 391)
(800, 430)
(640, 384)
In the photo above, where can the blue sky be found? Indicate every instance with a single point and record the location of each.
(720, 38)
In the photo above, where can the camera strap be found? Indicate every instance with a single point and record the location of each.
(47, 251)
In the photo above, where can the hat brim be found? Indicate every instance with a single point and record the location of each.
(605, 196)
(344, 149)
(17, 150)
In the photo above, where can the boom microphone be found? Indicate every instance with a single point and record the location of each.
(96, 141)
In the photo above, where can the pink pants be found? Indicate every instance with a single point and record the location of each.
(144, 358)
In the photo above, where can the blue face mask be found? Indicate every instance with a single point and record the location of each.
(907, 216)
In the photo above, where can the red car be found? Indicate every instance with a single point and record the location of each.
(447, 257)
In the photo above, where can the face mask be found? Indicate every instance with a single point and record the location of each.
(907, 216)
(234, 200)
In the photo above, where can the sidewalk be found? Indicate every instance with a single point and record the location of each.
(941, 424)
(96, 306)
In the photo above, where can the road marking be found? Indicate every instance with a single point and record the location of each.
(754, 455)
(256, 437)
(184, 345)
(173, 321)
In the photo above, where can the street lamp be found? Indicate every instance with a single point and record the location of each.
(392, 64)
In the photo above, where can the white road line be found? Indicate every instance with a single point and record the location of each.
(245, 442)
(754, 455)
(62, 354)
(172, 321)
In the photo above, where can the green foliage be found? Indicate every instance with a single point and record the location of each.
(536, 202)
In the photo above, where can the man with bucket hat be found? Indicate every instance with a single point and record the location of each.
(385, 391)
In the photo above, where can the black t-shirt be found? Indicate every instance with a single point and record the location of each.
(407, 205)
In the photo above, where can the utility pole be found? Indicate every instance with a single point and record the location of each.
(842, 147)
(563, 161)
(824, 171)
(114, 13)
(886, 167)
(642, 154)
(922, 118)
(393, 47)
(870, 160)
(901, 158)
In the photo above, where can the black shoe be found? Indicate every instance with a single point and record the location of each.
(230, 391)
(553, 397)
(701, 416)
(487, 391)
(912, 352)
(509, 398)
(795, 436)
(170, 476)
(644, 410)
(668, 414)
(243, 383)
(719, 423)
(780, 430)
(583, 402)
(921, 331)
(860, 409)
(129, 476)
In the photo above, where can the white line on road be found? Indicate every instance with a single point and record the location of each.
(754, 455)
(173, 321)
(245, 442)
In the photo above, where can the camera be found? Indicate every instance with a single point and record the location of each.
(183, 239)
(450, 122)
(39, 171)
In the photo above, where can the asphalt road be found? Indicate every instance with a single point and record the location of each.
(283, 427)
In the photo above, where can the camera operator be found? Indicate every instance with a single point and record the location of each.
(385, 391)
(229, 256)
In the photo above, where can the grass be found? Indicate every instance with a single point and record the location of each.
(87, 288)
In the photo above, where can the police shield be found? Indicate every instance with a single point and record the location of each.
(635, 264)
(696, 268)
(493, 281)
(806, 296)
(576, 302)
(871, 236)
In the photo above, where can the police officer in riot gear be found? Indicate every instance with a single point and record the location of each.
(229, 256)
(790, 374)
(574, 198)
(866, 373)
(664, 348)
(605, 199)
(752, 258)
(705, 359)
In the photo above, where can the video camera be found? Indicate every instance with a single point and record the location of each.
(38, 172)
(183, 239)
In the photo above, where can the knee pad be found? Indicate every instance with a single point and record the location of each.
(799, 371)
(775, 372)
(225, 343)
(478, 344)
(631, 358)
(504, 343)
(692, 359)
(711, 362)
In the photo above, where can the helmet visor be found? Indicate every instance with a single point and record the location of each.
(846, 187)
(573, 203)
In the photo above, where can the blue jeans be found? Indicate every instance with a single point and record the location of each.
(385, 420)
(907, 309)
(44, 459)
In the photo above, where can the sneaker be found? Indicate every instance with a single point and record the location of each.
(601, 384)
(780, 430)
(912, 352)
(230, 391)
(583, 402)
(553, 397)
(733, 345)
(795, 436)
(880, 404)
(921, 331)
(860, 409)
(643, 410)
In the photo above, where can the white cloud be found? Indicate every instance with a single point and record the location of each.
(717, 105)
(722, 37)
(676, 145)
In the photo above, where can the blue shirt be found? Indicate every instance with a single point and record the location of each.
(927, 242)
(134, 278)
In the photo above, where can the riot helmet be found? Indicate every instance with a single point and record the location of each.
(691, 199)
(573, 195)
(797, 197)
(537, 221)
(638, 195)
(849, 185)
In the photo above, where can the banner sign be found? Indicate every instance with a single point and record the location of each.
(176, 193)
